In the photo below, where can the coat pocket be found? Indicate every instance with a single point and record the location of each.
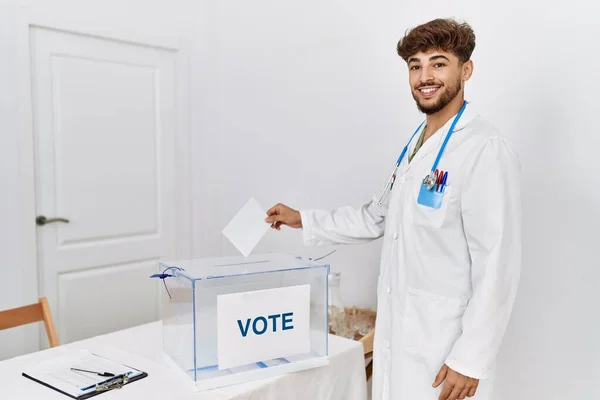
(431, 325)
(430, 209)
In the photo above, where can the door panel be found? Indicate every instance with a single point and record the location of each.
(80, 323)
(104, 132)
(106, 149)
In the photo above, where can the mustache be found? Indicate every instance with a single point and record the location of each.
(426, 84)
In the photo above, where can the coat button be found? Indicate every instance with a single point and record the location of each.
(395, 235)
(389, 290)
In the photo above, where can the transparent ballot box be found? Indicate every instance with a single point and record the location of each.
(235, 319)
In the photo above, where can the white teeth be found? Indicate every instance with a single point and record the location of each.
(428, 90)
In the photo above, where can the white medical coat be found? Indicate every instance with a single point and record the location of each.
(448, 277)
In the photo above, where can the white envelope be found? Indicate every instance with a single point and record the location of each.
(247, 227)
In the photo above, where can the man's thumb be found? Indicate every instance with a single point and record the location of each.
(440, 376)
(274, 218)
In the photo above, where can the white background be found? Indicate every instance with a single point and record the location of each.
(307, 103)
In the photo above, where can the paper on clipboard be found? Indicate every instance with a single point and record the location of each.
(58, 374)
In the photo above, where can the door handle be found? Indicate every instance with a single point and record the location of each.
(42, 220)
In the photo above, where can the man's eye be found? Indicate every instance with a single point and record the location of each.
(414, 67)
(439, 65)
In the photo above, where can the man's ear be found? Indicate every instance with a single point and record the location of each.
(467, 70)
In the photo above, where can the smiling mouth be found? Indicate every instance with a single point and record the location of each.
(429, 91)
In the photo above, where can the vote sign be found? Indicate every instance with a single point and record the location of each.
(262, 325)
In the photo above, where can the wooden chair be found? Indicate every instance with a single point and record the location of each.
(28, 314)
(367, 342)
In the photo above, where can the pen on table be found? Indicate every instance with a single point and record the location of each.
(93, 372)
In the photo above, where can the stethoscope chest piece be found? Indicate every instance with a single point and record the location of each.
(429, 180)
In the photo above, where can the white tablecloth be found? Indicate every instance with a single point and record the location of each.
(342, 379)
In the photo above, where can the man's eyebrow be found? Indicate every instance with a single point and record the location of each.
(438, 57)
(432, 58)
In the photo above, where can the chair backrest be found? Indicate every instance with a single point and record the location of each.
(28, 314)
(367, 342)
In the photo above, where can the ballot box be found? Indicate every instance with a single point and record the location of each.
(236, 319)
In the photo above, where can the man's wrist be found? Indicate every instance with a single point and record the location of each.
(306, 227)
(466, 370)
(299, 215)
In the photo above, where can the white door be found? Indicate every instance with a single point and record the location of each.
(104, 123)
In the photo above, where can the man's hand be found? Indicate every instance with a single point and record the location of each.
(457, 386)
(281, 214)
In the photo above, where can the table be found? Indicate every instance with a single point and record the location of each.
(343, 379)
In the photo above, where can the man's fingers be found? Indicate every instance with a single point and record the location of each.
(454, 394)
(282, 215)
(446, 390)
(274, 209)
(440, 376)
(464, 393)
(473, 389)
(274, 218)
(276, 221)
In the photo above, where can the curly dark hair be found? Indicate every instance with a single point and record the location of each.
(440, 34)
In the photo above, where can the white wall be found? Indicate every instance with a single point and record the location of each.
(11, 284)
(310, 106)
(296, 97)
(307, 103)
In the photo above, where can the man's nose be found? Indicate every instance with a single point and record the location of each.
(426, 75)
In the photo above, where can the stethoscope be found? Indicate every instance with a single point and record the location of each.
(430, 178)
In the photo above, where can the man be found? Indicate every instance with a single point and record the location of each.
(451, 257)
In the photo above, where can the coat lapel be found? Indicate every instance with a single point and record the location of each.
(435, 141)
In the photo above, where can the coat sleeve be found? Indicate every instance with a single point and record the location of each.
(344, 225)
(491, 212)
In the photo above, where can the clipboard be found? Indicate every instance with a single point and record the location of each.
(78, 375)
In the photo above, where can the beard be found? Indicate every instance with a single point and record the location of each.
(447, 96)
